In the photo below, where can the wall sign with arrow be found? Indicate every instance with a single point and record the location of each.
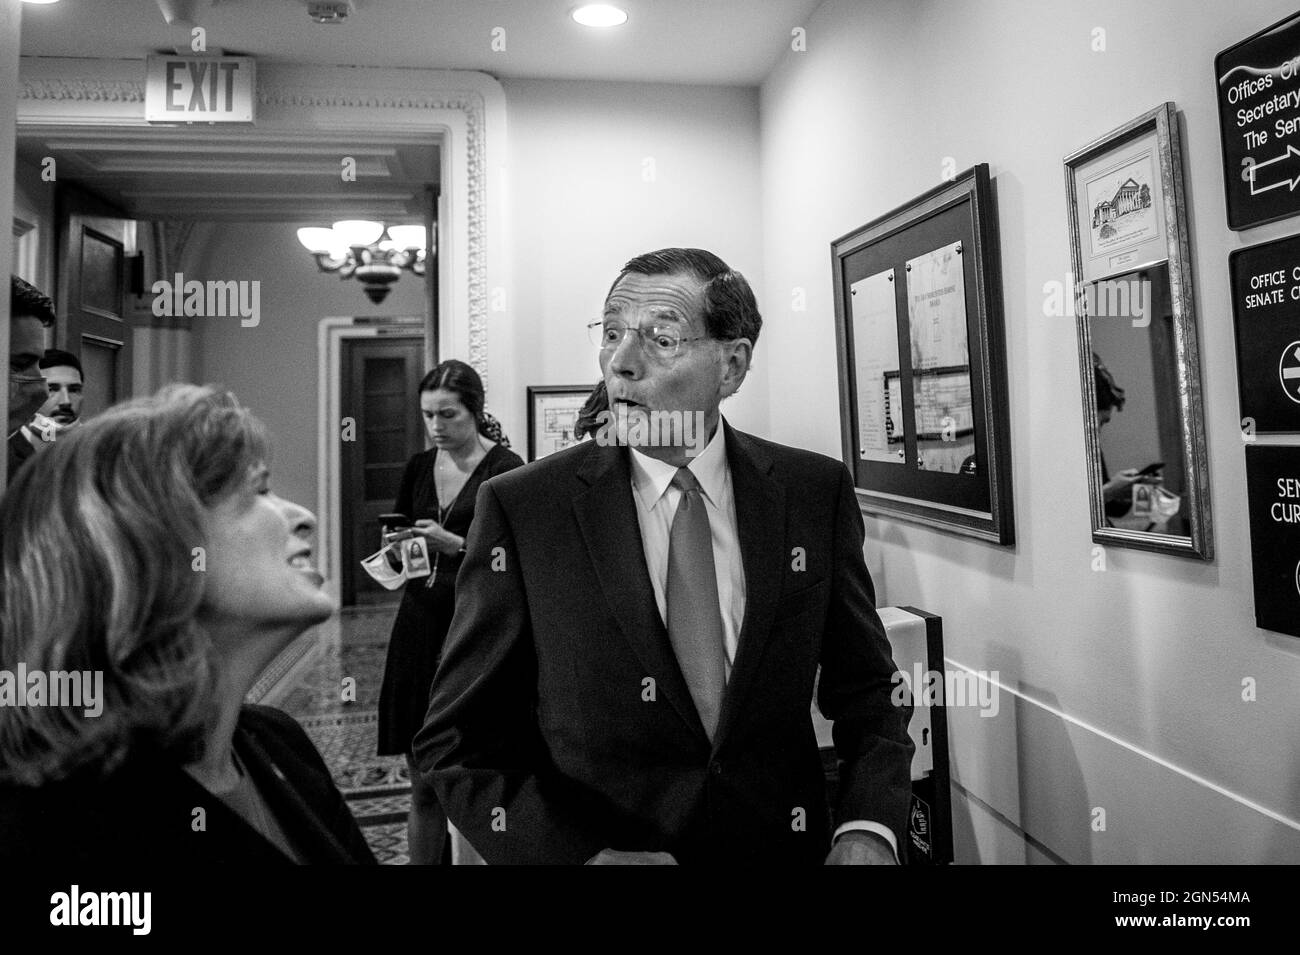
(1258, 88)
(1262, 178)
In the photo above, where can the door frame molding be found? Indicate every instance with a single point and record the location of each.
(80, 214)
(330, 335)
(464, 110)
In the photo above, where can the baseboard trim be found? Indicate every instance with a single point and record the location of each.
(1137, 750)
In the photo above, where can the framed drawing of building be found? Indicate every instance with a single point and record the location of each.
(1136, 327)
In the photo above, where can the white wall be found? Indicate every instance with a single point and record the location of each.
(578, 207)
(1121, 690)
(272, 367)
(598, 173)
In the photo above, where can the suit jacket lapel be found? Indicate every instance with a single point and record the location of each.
(760, 520)
(607, 517)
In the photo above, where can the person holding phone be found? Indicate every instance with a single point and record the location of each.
(1117, 489)
(436, 500)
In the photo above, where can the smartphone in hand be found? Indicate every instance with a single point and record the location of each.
(395, 527)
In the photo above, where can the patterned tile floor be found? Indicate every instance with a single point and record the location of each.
(342, 720)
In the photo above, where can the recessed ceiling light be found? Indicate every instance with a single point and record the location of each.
(40, 1)
(599, 15)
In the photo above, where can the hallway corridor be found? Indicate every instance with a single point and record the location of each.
(341, 719)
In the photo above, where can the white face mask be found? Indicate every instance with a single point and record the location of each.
(396, 563)
(47, 428)
(379, 566)
(1164, 504)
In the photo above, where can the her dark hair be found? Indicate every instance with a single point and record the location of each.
(463, 381)
(1109, 393)
(589, 415)
(26, 299)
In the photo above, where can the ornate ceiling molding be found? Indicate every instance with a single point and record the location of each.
(102, 91)
(270, 95)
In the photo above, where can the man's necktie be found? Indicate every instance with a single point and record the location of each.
(694, 616)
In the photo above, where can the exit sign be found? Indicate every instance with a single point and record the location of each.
(200, 89)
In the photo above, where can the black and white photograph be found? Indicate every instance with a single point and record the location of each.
(737, 435)
(927, 273)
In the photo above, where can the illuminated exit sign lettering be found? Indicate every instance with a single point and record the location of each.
(200, 89)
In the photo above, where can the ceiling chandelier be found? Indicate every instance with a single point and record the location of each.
(367, 251)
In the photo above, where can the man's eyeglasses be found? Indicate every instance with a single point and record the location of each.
(659, 341)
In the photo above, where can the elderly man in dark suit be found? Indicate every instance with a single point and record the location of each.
(638, 629)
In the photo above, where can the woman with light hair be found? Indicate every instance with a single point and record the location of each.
(145, 563)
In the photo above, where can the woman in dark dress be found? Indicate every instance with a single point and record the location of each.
(1116, 489)
(437, 495)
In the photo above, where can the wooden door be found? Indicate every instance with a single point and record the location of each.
(95, 240)
(379, 379)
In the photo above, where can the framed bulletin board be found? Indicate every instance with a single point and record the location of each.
(922, 367)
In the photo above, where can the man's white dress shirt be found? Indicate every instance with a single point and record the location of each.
(656, 505)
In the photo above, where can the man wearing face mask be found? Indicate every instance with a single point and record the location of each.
(62, 408)
(30, 313)
(64, 383)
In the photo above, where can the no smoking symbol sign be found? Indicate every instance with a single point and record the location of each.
(1288, 370)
